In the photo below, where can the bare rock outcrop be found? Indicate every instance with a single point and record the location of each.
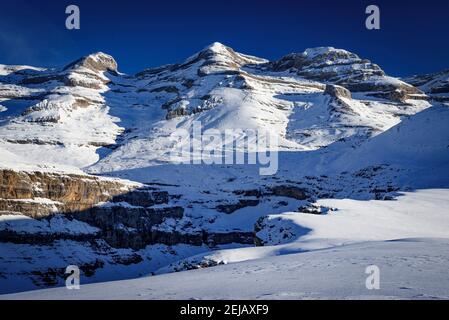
(96, 62)
(126, 215)
(344, 68)
(73, 192)
(337, 91)
(290, 191)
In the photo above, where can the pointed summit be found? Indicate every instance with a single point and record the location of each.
(96, 62)
(217, 47)
(213, 52)
(220, 54)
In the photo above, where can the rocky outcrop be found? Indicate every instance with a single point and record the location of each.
(142, 198)
(126, 215)
(315, 209)
(275, 231)
(346, 69)
(96, 62)
(337, 91)
(217, 238)
(290, 191)
(42, 79)
(230, 208)
(123, 226)
(249, 193)
(33, 208)
(188, 264)
(396, 91)
(435, 84)
(73, 193)
(328, 64)
(123, 213)
(179, 112)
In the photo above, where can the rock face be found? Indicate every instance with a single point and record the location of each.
(230, 208)
(337, 91)
(343, 68)
(125, 215)
(329, 64)
(71, 192)
(275, 231)
(109, 205)
(95, 62)
(434, 84)
(290, 192)
(132, 227)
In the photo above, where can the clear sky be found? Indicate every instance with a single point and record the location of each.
(140, 34)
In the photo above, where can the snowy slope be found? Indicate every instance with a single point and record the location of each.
(409, 269)
(421, 214)
(57, 116)
(6, 70)
(420, 142)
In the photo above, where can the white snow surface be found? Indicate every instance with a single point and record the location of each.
(421, 214)
(409, 269)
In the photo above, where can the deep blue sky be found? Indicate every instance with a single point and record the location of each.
(139, 34)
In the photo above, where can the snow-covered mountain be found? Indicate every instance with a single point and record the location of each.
(88, 177)
(435, 84)
(69, 113)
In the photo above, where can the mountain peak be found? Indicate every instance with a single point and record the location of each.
(214, 50)
(222, 54)
(217, 47)
(312, 53)
(98, 61)
(317, 61)
(327, 55)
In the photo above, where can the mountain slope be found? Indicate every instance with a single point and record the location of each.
(346, 132)
(435, 84)
(88, 104)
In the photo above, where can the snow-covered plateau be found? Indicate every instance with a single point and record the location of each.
(88, 178)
